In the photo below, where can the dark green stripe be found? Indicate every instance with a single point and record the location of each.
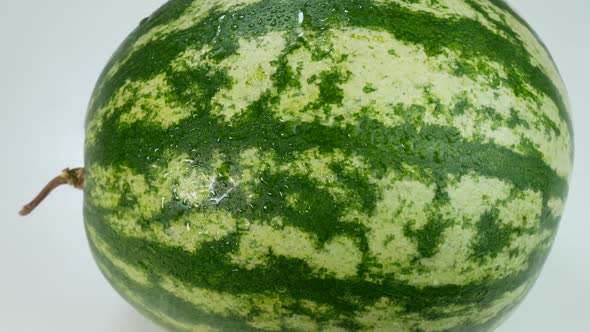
(487, 326)
(550, 89)
(503, 5)
(159, 299)
(167, 13)
(500, 25)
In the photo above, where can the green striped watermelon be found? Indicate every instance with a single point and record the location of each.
(350, 165)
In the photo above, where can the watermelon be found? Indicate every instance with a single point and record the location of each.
(350, 165)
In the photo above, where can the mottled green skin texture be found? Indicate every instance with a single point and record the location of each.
(436, 155)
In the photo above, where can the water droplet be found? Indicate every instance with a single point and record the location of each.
(143, 265)
(234, 27)
(152, 247)
(243, 225)
(439, 156)
(281, 289)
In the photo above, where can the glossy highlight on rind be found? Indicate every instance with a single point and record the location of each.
(383, 165)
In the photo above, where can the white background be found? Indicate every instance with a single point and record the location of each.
(51, 53)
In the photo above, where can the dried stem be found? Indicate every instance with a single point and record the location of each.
(73, 177)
